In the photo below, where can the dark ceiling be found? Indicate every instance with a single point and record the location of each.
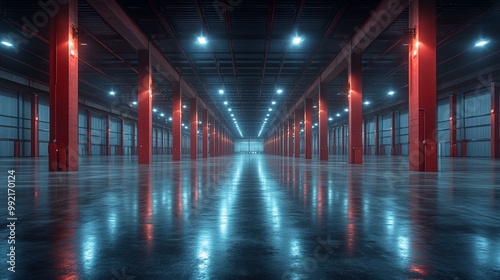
(249, 52)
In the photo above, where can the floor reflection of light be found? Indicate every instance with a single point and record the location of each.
(390, 222)
(223, 219)
(88, 246)
(481, 251)
(404, 247)
(112, 224)
(204, 255)
(295, 248)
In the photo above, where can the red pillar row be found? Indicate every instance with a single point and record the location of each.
(308, 128)
(355, 149)
(323, 121)
(422, 87)
(34, 126)
(453, 126)
(194, 128)
(176, 122)
(495, 116)
(63, 60)
(145, 108)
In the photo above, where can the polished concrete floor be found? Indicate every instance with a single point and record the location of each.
(254, 217)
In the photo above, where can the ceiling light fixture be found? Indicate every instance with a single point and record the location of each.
(296, 40)
(202, 40)
(480, 43)
(8, 44)
(391, 92)
(279, 91)
(366, 102)
(112, 93)
(221, 91)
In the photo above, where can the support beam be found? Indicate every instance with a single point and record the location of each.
(176, 122)
(453, 126)
(422, 87)
(204, 134)
(194, 128)
(495, 116)
(355, 100)
(63, 60)
(145, 109)
(297, 120)
(308, 128)
(34, 126)
(323, 121)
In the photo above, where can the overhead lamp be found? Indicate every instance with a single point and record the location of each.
(170, 119)
(134, 102)
(229, 109)
(480, 43)
(270, 109)
(279, 91)
(330, 119)
(265, 119)
(202, 40)
(7, 44)
(296, 40)
(221, 91)
(274, 102)
(199, 122)
(366, 102)
(346, 110)
(184, 106)
(314, 106)
(338, 115)
(232, 115)
(112, 93)
(267, 115)
(316, 124)
(162, 115)
(154, 109)
(391, 92)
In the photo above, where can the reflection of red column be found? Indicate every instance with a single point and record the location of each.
(63, 76)
(355, 101)
(194, 128)
(495, 128)
(176, 121)
(64, 214)
(453, 126)
(145, 109)
(376, 136)
(323, 121)
(146, 206)
(34, 125)
(308, 128)
(297, 120)
(422, 87)
(204, 133)
(354, 209)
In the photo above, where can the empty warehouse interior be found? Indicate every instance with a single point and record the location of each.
(238, 139)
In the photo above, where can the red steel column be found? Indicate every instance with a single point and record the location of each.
(108, 136)
(376, 136)
(176, 122)
(422, 86)
(145, 109)
(34, 126)
(355, 149)
(290, 137)
(453, 126)
(297, 120)
(308, 128)
(393, 134)
(63, 60)
(323, 121)
(204, 134)
(495, 128)
(194, 128)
